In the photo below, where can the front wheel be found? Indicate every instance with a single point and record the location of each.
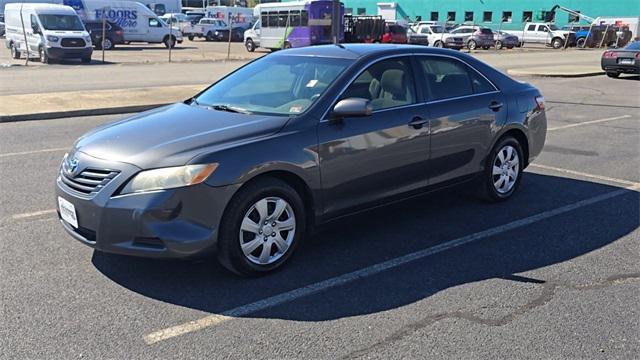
(581, 43)
(556, 43)
(499, 45)
(44, 57)
(503, 170)
(251, 47)
(209, 36)
(107, 44)
(190, 37)
(261, 227)
(438, 44)
(472, 45)
(15, 53)
(169, 42)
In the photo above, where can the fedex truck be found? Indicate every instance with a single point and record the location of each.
(160, 7)
(240, 16)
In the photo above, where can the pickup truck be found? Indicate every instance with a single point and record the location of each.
(436, 36)
(548, 34)
(208, 28)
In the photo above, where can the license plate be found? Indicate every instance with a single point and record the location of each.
(626, 61)
(68, 212)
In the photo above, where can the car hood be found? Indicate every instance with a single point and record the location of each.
(174, 134)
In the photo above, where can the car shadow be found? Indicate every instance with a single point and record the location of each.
(396, 230)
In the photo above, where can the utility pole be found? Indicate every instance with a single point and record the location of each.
(104, 30)
(335, 21)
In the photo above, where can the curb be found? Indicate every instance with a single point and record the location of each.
(516, 72)
(78, 113)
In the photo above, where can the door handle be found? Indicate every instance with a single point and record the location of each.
(417, 122)
(495, 106)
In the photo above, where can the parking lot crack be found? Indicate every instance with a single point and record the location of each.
(549, 290)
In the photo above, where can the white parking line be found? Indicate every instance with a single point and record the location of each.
(588, 122)
(578, 173)
(32, 214)
(33, 152)
(214, 319)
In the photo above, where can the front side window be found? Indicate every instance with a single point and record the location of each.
(60, 22)
(279, 85)
(387, 84)
(446, 78)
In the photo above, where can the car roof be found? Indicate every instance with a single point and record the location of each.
(357, 51)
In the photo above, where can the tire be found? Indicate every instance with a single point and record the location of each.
(190, 37)
(492, 186)
(169, 41)
(556, 43)
(15, 53)
(499, 45)
(209, 36)
(243, 209)
(286, 45)
(107, 43)
(472, 45)
(581, 43)
(438, 44)
(249, 44)
(613, 74)
(43, 56)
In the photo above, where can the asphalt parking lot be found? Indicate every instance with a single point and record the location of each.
(553, 273)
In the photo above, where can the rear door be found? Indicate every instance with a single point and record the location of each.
(464, 108)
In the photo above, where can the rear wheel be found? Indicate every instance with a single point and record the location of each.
(261, 227)
(581, 42)
(499, 45)
(472, 45)
(503, 170)
(107, 44)
(438, 44)
(15, 53)
(613, 74)
(251, 47)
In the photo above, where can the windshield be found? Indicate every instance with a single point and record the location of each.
(61, 22)
(633, 46)
(274, 85)
(553, 27)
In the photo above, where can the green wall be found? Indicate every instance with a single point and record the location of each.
(413, 8)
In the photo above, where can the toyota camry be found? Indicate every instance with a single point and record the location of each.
(249, 166)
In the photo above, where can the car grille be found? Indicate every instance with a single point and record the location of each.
(90, 181)
(72, 42)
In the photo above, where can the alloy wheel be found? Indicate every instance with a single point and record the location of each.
(506, 166)
(267, 230)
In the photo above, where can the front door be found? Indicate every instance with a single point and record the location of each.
(464, 108)
(364, 159)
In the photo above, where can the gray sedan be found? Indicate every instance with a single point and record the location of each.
(504, 39)
(249, 166)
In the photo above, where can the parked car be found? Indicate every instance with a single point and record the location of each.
(414, 37)
(626, 60)
(113, 34)
(237, 34)
(438, 37)
(53, 32)
(549, 34)
(2, 28)
(236, 170)
(206, 28)
(475, 36)
(581, 31)
(504, 39)
(194, 17)
(394, 33)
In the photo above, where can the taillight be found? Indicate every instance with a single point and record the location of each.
(540, 102)
(610, 54)
(119, 32)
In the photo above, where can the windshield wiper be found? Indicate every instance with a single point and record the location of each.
(233, 109)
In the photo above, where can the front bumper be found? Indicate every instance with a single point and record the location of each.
(175, 223)
(69, 53)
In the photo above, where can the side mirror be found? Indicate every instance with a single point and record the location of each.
(36, 30)
(352, 107)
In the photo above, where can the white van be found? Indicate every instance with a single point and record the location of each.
(52, 32)
(138, 22)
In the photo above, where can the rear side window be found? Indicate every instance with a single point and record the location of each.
(448, 78)
(486, 31)
(531, 28)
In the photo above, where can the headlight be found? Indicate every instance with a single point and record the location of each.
(88, 39)
(168, 178)
(52, 38)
